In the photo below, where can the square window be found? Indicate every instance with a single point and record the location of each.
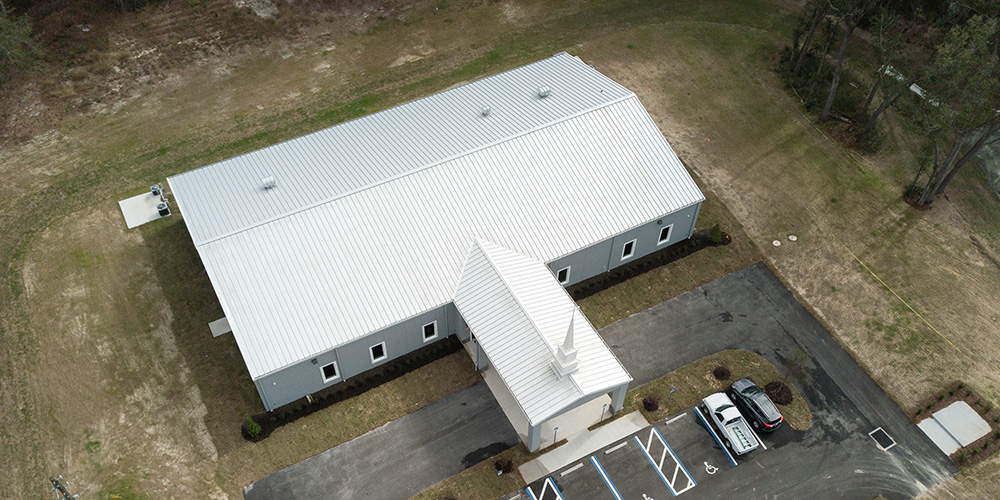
(430, 331)
(330, 372)
(563, 275)
(665, 234)
(628, 250)
(378, 352)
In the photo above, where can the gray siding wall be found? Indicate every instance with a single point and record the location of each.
(303, 378)
(606, 255)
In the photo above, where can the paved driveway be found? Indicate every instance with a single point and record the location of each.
(400, 458)
(748, 309)
(835, 459)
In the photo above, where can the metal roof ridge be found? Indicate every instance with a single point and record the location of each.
(520, 304)
(630, 95)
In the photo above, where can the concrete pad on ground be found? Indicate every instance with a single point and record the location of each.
(581, 444)
(939, 435)
(962, 422)
(140, 209)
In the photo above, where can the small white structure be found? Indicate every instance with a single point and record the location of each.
(954, 426)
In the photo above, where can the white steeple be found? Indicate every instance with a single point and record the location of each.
(564, 363)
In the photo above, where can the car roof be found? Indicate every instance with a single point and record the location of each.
(766, 405)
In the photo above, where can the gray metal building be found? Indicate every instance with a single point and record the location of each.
(338, 251)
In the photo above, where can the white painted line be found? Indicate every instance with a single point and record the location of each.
(604, 476)
(678, 417)
(616, 448)
(545, 487)
(714, 435)
(870, 434)
(755, 436)
(571, 469)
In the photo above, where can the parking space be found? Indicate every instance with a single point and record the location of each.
(700, 451)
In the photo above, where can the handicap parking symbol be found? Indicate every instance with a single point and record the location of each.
(711, 469)
(644, 497)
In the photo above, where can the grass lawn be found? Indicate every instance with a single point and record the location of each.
(104, 330)
(692, 382)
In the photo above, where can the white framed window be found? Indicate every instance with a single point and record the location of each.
(628, 250)
(430, 331)
(377, 352)
(665, 234)
(563, 275)
(330, 372)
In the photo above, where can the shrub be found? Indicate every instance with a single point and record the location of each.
(721, 372)
(252, 427)
(778, 392)
(715, 235)
(929, 406)
(504, 464)
(919, 411)
(979, 401)
(951, 392)
(940, 397)
(996, 434)
(962, 458)
(650, 404)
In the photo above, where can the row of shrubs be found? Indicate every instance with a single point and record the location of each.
(699, 240)
(257, 427)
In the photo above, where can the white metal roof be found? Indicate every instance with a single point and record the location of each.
(326, 273)
(520, 315)
(337, 161)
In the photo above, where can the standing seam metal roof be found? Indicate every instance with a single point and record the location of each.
(324, 274)
(520, 314)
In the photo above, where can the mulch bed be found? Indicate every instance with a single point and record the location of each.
(980, 450)
(699, 240)
(354, 386)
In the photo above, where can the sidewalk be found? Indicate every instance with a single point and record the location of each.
(582, 444)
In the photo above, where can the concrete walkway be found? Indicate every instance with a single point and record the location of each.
(400, 458)
(581, 444)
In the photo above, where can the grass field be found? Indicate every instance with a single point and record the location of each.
(110, 378)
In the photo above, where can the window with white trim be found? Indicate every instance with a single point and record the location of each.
(377, 352)
(563, 275)
(330, 372)
(628, 250)
(430, 331)
(665, 234)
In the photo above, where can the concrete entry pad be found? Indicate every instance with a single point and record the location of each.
(955, 426)
(140, 209)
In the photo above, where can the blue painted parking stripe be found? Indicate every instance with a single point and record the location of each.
(716, 438)
(530, 494)
(553, 483)
(657, 469)
(604, 476)
(676, 458)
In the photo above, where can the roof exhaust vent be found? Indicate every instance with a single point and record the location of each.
(268, 182)
(486, 110)
(544, 91)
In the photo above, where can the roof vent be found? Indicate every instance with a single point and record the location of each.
(544, 91)
(268, 182)
(486, 111)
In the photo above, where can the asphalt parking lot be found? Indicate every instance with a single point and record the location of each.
(835, 459)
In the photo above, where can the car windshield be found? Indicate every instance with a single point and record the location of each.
(733, 421)
(724, 407)
(767, 407)
(750, 391)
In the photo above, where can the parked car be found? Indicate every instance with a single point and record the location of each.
(732, 427)
(759, 410)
